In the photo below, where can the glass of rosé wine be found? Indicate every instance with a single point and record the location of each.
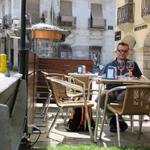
(130, 66)
(121, 67)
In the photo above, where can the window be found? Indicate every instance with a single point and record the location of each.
(65, 8)
(145, 6)
(97, 19)
(128, 1)
(95, 54)
(64, 51)
(33, 8)
(66, 18)
(96, 10)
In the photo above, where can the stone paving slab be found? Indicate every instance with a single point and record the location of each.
(59, 135)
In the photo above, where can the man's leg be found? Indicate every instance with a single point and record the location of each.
(115, 97)
(110, 116)
(123, 126)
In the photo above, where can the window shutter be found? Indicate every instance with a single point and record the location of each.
(65, 8)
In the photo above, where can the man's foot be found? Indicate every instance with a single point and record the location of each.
(112, 124)
(123, 126)
(113, 127)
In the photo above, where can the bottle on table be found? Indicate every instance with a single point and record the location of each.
(3, 66)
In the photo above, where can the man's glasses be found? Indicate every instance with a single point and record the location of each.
(122, 51)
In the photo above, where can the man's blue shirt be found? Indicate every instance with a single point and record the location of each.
(136, 71)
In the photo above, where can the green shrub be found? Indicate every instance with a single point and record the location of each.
(92, 147)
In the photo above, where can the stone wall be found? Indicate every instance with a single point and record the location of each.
(146, 62)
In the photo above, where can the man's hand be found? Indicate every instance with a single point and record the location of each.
(129, 74)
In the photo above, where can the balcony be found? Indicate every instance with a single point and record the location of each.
(97, 23)
(125, 16)
(145, 10)
(66, 21)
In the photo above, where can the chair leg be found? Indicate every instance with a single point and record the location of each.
(88, 121)
(96, 125)
(53, 122)
(118, 130)
(102, 125)
(140, 125)
(46, 109)
(131, 118)
(65, 117)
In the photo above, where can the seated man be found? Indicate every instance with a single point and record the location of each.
(121, 56)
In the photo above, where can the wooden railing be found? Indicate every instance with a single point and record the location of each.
(30, 75)
(125, 14)
(63, 66)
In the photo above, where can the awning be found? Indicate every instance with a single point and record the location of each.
(48, 30)
(130, 40)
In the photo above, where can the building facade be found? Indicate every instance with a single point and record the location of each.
(133, 23)
(92, 24)
(10, 16)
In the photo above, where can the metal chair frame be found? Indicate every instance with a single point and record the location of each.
(56, 86)
(136, 102)
(48, 100)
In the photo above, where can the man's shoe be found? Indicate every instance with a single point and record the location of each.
(112, 125)
(113, 129)
(123, 126)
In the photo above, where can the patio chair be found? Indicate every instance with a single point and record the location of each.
(64, 101)
(136, 102)
(64, 77)
(89, 91)
(50, 96)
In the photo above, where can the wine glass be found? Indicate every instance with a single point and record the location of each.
(130, 66)
(121, 66)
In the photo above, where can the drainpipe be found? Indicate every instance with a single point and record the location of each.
(52, 12)
(23, 51)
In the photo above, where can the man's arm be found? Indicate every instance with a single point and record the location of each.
(137, 72)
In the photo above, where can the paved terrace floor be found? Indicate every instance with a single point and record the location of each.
(59, 135)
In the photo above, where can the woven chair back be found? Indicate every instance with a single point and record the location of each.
(56, 76)
(84, 79)
(58, 91)
(137, 100)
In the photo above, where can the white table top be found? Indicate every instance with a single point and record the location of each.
(75, 74)
(5, 82)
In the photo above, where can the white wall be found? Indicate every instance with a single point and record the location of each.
(108, 36)
(82, 36)
(16, 9)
